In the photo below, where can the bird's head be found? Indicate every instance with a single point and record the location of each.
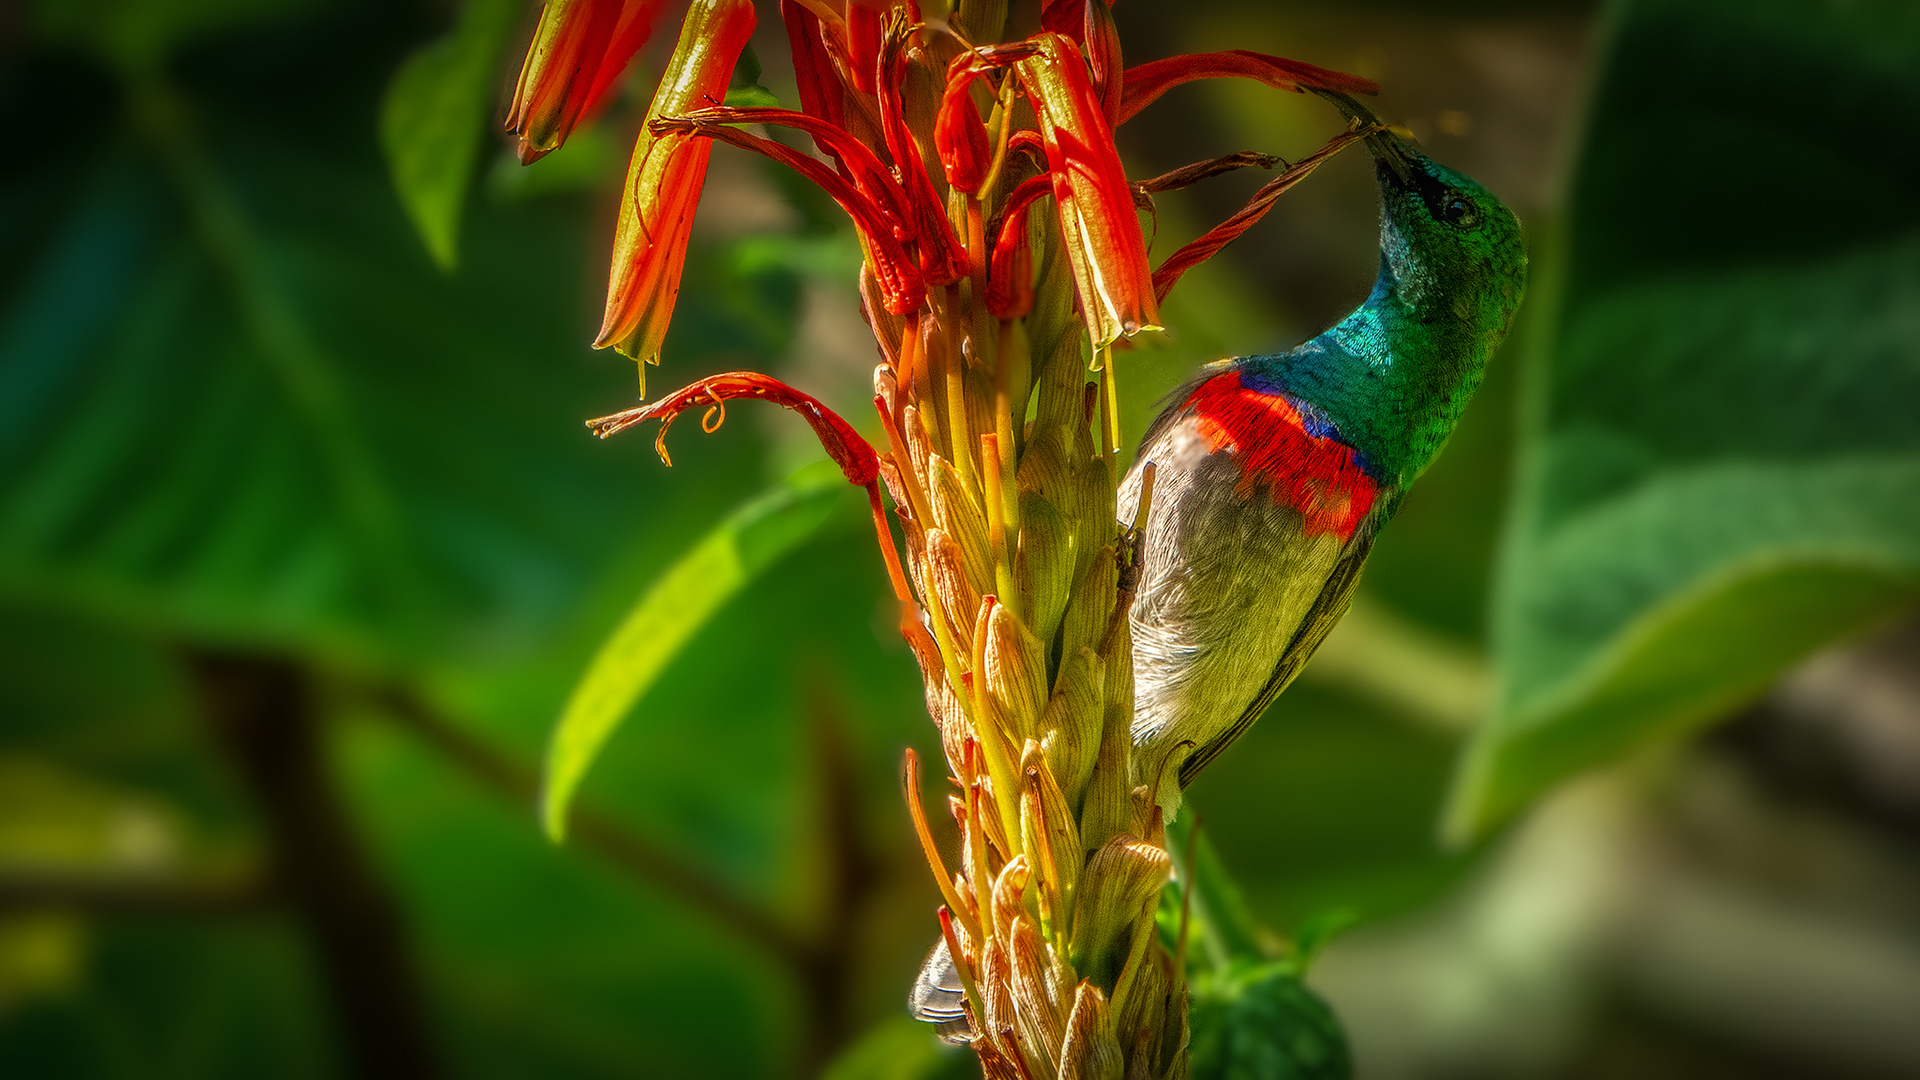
(1440, 225)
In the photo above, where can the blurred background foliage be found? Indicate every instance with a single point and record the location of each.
(302, 549)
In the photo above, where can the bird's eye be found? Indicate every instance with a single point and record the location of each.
(1459, 212)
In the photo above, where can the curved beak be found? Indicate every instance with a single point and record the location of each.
(1389, 149)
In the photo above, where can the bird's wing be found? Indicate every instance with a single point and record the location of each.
(1332, 603)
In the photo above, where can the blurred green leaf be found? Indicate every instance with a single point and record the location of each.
(672, 609)
(432, 121)
(196, 998)
(53, 821)
(1722, 461)
(138, 34)
(238, 402)
(1206, 897)
(900, 1048)
(40, 954)
(1258, 1021)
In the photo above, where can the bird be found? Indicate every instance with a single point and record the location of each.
(1272, 475)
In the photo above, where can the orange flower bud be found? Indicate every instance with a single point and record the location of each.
(664, 181)
(579, 48)
(1010, 273)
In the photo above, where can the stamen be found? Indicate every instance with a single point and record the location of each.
(962, 967)
(895, 572)
(911, 777)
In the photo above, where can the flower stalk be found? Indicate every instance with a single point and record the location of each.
(1004, 261)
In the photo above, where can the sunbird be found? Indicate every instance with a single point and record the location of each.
(1273, 474)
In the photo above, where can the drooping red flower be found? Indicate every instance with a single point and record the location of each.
(853, 60)
(664, 181)
(579, 48)
(1104, 243)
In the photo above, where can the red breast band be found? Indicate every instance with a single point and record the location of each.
(1316, 475)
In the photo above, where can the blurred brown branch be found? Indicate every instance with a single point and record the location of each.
(169, 894)
(261, 710)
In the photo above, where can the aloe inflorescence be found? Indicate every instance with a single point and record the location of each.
(1003, 260)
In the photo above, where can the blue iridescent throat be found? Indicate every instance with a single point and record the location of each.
(1343, 382)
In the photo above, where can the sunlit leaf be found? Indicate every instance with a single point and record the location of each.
(432, 121)
(1722, 465)
(677, 604)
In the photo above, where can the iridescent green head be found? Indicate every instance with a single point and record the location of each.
(1396, 374)
(1445, 237)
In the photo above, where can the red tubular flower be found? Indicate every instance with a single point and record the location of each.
(896, 273)
(863, 43)
(664, 181)
(579, 48)
(822, 95)
(1145, 84)
(855, 456)
(1103, 240)
(959, 134)
(852, 453)
(943, 258)
(858, 161)
(1090, 24)
(1010, 278)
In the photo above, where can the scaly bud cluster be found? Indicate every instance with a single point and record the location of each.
(1003, 259)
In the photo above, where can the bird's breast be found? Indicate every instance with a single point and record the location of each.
(1276, 444)
(1255, 500)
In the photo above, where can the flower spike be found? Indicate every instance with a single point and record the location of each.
(664, 181)
(983, 270)
(579, 48)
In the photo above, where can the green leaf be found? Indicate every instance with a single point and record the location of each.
(668, 613)
(432, 123)
(1220, 926)
(1258, 1021)
(900, 1048)
(237, 403)
(137, 35)
(1721, 456)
